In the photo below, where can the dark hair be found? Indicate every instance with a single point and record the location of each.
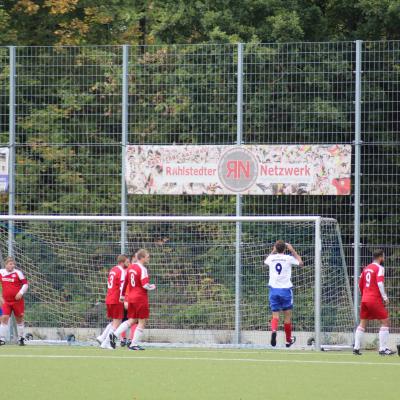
(280, 246)
(121, 258)
(378, 253)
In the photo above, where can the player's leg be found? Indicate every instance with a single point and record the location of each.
(359, 334)
(19, 310)
(124, 340)
(116, 323)
(274, 327)
(20, 329)
(274, 304)
(104, 334)
(116, 312)
(142, 314)
(131, 314)
(287, 305)
(138, 335)
(4, 329)
(103, 338)
(4, 323)
(384, 338)
(2, 342)
(133, 329)
(288, 327)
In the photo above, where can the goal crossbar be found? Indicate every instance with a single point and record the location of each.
(162, 218)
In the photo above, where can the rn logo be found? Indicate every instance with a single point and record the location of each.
(238, 169)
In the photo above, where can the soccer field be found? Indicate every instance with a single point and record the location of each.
(90, 373)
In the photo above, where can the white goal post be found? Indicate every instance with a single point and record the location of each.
(226, 296)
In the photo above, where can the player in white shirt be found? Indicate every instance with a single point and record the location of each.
(280, 287)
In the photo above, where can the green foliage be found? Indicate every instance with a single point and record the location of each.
(69, 104)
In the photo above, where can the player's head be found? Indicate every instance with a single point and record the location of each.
(123, 260)
(9, 263)
(143, 256)
(280, 246)
(379, 256)
(133, 256)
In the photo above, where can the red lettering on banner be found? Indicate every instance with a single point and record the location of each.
(284, 171)
(237, 167)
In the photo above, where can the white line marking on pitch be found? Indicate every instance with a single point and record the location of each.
(248, 360)
(225, 351)
(283, 352)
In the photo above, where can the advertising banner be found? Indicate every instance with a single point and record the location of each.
(3, 169)
(247, 169)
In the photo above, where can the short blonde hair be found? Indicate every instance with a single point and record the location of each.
(9, 259)
(142, 253)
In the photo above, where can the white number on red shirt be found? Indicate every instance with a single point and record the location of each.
(368, 279)
(133, 280)
(110, 282)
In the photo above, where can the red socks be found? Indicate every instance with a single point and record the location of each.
(288, 332)
(274, 324)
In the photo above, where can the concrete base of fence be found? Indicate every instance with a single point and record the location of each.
(212, 338)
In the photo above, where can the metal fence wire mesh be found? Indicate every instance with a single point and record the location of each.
(69, 122)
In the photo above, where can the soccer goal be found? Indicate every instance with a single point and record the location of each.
(209, 271)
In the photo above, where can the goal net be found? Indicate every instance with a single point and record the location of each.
(211, 290)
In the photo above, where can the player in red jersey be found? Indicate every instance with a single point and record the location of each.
(124, 340)
(138, 284)
(373, 301)
(115, 308)
(14, 286)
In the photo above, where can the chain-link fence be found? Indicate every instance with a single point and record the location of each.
(70, 115)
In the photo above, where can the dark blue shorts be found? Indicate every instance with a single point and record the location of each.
(280, 299)
(1, 311)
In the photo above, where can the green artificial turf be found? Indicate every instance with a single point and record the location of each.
(74, 373)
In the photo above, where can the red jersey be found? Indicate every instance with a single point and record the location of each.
(368, 283)
(115, 281)
(11, 283)
(137, 277)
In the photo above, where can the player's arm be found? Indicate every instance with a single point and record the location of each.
(145, 280)
(1, 294)
(361, 283)
(295, 254)
(123, 288)
(381, 285)
(24, 287)
(149, 286)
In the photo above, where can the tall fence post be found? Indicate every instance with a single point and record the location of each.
(11, 154)
(124, 142)
(357, 176)
(317, 289)
(239, 141)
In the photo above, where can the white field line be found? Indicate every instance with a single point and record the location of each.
(268, 351)
(245, 360)
(218, 351)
